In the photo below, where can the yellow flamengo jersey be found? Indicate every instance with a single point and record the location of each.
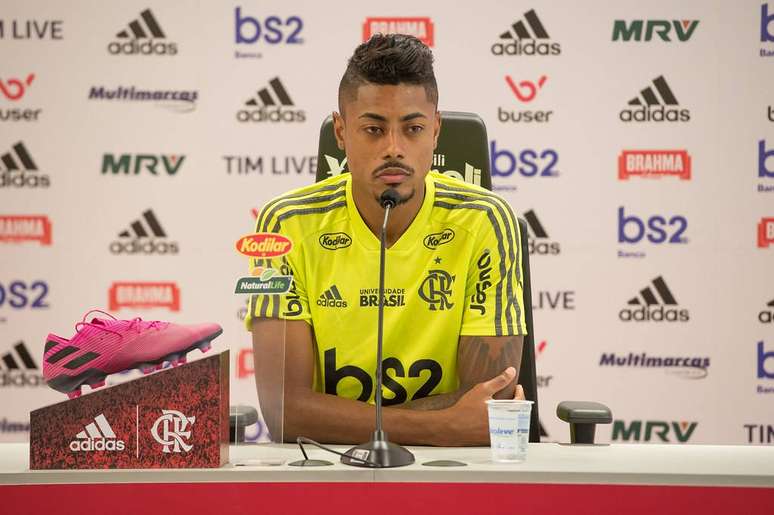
(455, 271)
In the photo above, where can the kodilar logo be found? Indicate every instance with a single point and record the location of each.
(335, 240)
(647, 307)
(650, 107)
(144, 36)
(271, 108)
(21, 228)
(436, 239)
(522, 41)
(654, 164)
(264, 245)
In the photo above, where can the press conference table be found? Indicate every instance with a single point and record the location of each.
(559, 478)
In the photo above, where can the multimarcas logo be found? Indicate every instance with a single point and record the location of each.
(19, 369)
(421, 28)
(684, 367)
(144, 295)
(271, 165)
(9, 426)
(13, 90)
(21, 228)
(656, 304)
(648, 30)
(143, 36)
(650, 430)
(526, 37)
(652, 107)
(134, 164)
(272, 104)
(144, 236)
(18, 170)
(181, 101)
(654, 164)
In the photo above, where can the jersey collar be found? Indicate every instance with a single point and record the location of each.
(409, 239)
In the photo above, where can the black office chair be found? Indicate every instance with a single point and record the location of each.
(462, 152)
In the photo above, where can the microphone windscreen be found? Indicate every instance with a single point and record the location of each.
(389, 197)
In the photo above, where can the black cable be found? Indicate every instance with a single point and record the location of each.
(301, 440)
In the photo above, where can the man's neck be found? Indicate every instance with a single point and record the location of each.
(401, 216)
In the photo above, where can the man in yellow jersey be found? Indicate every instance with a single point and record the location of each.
(453, 323)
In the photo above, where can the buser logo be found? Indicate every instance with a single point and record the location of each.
(142, 37)
(14, 89)
(435, 240)
(264, 245)
(335, 240)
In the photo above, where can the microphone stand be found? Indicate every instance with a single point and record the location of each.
(379, 452)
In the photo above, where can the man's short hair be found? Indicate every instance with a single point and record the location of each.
(389, 59)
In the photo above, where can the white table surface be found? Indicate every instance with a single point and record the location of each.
(718, 465)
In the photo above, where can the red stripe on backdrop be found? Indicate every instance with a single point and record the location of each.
(381, 498)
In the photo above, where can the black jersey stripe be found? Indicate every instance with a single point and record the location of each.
(509, 221)
(278, 203)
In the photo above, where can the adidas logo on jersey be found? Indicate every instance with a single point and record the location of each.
(143, 36)
(650, 107)
(271, 108)
(654, 305)
(520, 40)
(144, 236)
(331, 298)
(18, 368)
(97, 436)
(539, 242)
(18, 170)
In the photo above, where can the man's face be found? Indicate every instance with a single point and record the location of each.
(389, 134)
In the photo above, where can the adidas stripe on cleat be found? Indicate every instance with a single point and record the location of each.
(105, 346)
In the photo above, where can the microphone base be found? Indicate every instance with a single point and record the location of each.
(382, 453)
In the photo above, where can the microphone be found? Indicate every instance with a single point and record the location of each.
(379, 452)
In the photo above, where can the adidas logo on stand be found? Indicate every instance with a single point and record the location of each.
(331, 298)
(539, 242)
(652, 105)
(767, 315)
(97, 436)
(656, 304)
(144, 236)
(271, 105)
(530, 38)
(142, 37)
(17, 368)
(18, 170)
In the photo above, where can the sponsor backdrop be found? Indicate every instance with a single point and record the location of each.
(139, 138)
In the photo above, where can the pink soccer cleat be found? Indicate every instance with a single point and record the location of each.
(106, 346)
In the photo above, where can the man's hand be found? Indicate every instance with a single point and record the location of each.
(468, 417)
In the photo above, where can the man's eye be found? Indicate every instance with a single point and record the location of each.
(415, 129)
(373, 130)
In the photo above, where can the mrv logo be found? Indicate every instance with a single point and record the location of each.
(270, 165)
(143, 36)
(18, 170)
(525, 91)
(133, 164)
(764, 172)
(647, 30)
(521, 40)
(19, 369)
(655, 304)
(393, 369)
(539, 242)
(271, 30)
(144, 236)
(653, 430)
(271, 108)
(652, 107)
(655, 229)
(681, 366)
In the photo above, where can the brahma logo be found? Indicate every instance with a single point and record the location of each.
(264, 245)
(654, 164)
(335, 240)
(21, 228)
(13, 90)
(421, 28)
(766, 232)
(245, 364)
(435, 240)
(144, 295)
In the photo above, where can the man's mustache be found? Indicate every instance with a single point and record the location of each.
(392, 164)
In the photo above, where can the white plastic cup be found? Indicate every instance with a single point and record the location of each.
(509, 429)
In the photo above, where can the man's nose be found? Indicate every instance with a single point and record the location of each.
(394, 149)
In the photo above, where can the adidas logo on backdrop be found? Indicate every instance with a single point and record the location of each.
(272, 104)
(97, 436)
(18, 170)
(144, 236)
(144, 36)
(539, 242)
(766, 316)
(17, 368)
(655, 304)
(530, 38)
(652, 107)
(331, 298)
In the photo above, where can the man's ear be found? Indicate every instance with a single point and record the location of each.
(436, 128)
(338, 129)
